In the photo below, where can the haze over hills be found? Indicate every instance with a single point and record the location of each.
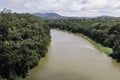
(58, 16)
(48, 15)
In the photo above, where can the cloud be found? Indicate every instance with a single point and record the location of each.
(65, 7)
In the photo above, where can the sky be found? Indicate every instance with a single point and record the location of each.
(80, 8)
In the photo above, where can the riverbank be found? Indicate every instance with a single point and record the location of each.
(100, 47)
(18, 78)
(71, 57)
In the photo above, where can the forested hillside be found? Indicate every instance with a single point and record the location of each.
(23, 41)
(102, 30)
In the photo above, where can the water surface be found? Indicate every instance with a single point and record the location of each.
(71, 57)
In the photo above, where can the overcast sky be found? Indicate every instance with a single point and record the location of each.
(65, 7)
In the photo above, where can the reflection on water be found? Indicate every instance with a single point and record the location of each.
(71, 57)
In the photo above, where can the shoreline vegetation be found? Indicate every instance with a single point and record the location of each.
(104, 33)
(98, 46)
(24, 40)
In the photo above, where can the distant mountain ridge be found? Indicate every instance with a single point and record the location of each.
(57, 16)
(106, 16)
(48, 15)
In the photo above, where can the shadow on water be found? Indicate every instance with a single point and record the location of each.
(42, 64)
(116, 64)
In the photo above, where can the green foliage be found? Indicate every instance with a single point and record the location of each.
(107, 50)
(23, 41)
(105, 31)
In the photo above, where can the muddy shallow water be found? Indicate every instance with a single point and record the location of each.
(71, 57)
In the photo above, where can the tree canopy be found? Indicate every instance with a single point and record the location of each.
(102, 30)
(23, 41)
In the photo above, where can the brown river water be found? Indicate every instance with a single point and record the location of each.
(71, 57)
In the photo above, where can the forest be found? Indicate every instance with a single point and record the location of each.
(105, 31)
(23, 41)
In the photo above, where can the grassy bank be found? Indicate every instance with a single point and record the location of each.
(18, 78)
(102, 48)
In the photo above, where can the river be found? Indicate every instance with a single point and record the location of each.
(71, 57)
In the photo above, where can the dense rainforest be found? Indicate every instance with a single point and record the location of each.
(105, 31)
(23, 41)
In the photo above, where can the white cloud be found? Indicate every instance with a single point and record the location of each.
(65, 7)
